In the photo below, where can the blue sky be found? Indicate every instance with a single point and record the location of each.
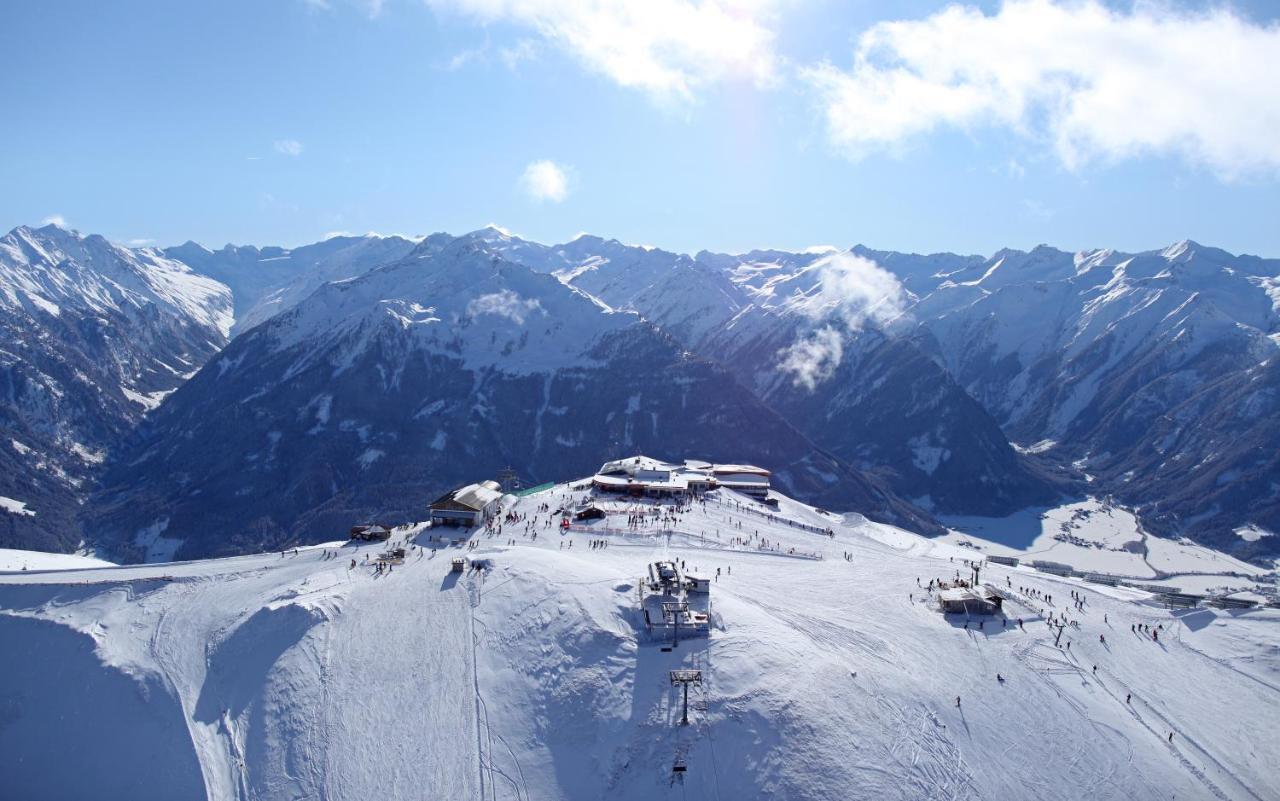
(679, 123)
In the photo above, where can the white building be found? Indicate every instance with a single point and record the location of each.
(643, 475)
(472, 505)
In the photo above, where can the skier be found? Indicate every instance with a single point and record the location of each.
(1000, 678)
(957, 702)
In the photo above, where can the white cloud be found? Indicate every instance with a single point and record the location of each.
(668, 48)
(850, 291)
(464, 57)
(523, 50)
(288, 147)
(373, 8)
(812, 360)
(855, 290)
(55, 219)
(1096, 84)
(504, 303)
(140, 242)
(545, 180)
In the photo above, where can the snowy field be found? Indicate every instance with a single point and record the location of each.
(298, 676)
(11, 560)
(1096, 537)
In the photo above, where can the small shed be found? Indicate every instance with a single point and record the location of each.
(589, 512)
(370, 531)
(458, 565)
(697, 583)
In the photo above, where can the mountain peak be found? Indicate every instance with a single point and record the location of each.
(492, 231)
(1181, 249)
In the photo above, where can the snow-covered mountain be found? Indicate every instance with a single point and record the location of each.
(827, 671)
(1148, 371)
(266, 281)
(92, 336)
(825, 340)
(879, 403)
(1145, 376)
(375, 393)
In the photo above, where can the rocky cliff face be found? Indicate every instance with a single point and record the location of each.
(94, 336)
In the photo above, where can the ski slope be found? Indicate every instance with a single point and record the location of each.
(295, 676)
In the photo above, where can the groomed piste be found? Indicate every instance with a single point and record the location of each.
(827, 669)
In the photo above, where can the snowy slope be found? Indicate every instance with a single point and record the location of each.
(15, 560)
(274, 677)
(51, 267)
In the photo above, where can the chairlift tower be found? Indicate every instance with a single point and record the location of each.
(509, 480)
(685, 678)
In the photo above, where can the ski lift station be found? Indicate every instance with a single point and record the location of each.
(675, 605)
(642, 475)
(979, 600)
(472, 505)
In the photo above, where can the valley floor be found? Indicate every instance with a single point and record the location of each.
(828, 673)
